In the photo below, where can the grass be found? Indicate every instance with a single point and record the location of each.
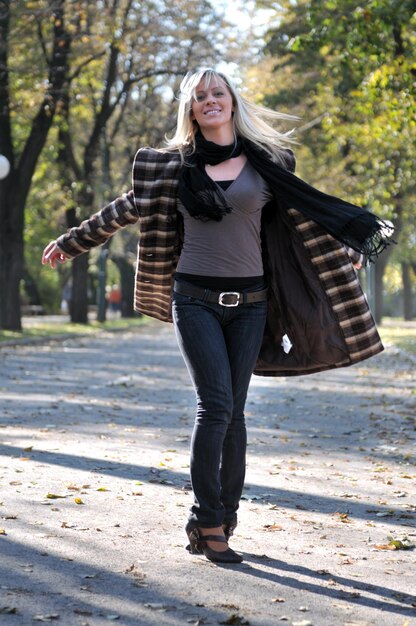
(393, 331)
(399, 334)
(39, 329)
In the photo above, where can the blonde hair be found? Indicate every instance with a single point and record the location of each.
(249, 119)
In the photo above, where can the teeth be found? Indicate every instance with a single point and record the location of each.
(213, 112)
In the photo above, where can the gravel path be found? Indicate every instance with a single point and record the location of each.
(94, 491)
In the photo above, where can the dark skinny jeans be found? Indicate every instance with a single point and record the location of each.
(220, 346)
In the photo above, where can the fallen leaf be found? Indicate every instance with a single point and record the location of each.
(236, 619)
(278, 600)
(45, 618)
(83, 612)
(271, 527)
(102, 489)
(78, 501)
(396, 544)
(303, 622)
(8, 610)
(53, 496)
(2, 531)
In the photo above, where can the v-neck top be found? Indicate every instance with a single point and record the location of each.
(231, 247)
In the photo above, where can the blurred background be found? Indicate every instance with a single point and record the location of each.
(84, 84)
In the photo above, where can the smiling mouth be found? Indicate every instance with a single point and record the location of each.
(212, 111)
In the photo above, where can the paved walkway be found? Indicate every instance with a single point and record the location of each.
(94, 490)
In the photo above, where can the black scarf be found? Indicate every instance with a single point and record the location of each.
(203, 198)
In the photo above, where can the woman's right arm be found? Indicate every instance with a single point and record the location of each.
(92, 232)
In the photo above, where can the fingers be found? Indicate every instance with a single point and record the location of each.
(52, 255)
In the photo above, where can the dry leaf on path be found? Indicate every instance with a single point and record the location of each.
(237, 620)
(396, 544)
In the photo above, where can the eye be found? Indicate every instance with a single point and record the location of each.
(219, 93)
(199, 97)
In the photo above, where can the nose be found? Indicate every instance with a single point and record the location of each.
(211, 98)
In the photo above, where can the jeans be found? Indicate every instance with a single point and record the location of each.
(220, 346)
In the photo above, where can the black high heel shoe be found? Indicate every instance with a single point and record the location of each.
(198, 544)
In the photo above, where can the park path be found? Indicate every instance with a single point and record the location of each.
(94, 490)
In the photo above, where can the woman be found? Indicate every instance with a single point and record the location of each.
(251, 265)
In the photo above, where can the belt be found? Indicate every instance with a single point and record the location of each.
(225, 298)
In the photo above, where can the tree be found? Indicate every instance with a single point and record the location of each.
(351, 68)
(133, 69)
(23, 151)
(84, 66)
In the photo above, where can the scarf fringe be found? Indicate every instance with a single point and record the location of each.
(376, 241)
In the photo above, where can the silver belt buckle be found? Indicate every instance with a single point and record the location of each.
(229, 293)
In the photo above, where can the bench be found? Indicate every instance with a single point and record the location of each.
(32, 309)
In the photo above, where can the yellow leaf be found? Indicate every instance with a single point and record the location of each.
(102, 489)
(78, 501)
(2, 531)
(273, 527)
(53, 496)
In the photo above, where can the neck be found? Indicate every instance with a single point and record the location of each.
(220, 136)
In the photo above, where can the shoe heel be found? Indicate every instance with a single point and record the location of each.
(194, 540)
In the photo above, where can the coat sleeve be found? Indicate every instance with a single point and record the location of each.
(95, 231)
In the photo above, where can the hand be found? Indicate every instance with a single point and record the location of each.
(358, 265)
(52, 254)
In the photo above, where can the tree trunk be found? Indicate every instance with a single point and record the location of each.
(31, 287)
(379, 270)
(407, 291)
(126, 284)
(15, 188)
(11, 267)
(78, 307)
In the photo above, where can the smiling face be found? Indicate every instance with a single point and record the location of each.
(212, 108)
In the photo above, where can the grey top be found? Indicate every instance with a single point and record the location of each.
(231, 247)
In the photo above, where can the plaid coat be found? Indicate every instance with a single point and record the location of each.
(314, 295)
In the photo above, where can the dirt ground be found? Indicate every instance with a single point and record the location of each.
(94, 492)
